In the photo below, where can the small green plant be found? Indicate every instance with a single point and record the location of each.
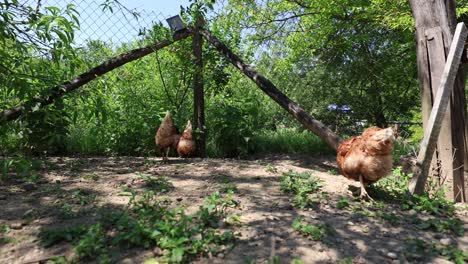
(83, 197)
(342, 203)
(126, 191)
(4, 229)
(348, 260)
(436, 204)
(50, 237)
(304, 186)
(314, 232)
(76, 164)
(93, 244)
(453, 253)
(443, 225)
(274, 260)
(332, 172)
(148, 222)
(66, 211)
(160, 184)
(234, 220)
(416, 249)
(271, 168)
(391, 218)
(396, 187)
(223, 179)
(229, 187)
(91, 176)
(25, 168)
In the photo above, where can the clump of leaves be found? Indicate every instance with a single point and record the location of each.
(50, 237)
(304, 186)
(271, 168)
(149, 222)
(24, 168)
(342, 203)
(391, 218)
(443, 225)
(416, 249)
(452, 253)
(66, 211)
(348, 260)
(4, 229)
(396, 186)
(83, 197)
(76, 165)
(159, 184)
(314, 232)
(229, 187)
(91, 176)
(93, 244)
(435, 204)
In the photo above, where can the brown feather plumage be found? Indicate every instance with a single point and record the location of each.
(368, 155)
(186, 146)
(167, 136)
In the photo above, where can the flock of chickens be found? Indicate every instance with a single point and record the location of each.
(168, 137)
(366, 158)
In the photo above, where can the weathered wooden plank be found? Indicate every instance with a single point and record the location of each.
(428, 144)
(443, 152)
(69, 86)
(270, 89)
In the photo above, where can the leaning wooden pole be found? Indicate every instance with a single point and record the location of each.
(441, 102)
(69, 86)
(270, 89)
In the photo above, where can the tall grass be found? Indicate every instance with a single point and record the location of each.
(289, 140)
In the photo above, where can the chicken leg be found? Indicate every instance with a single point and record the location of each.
(364, 195)
(167, 155)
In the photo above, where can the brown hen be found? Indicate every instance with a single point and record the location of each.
(186, 146)
(167, 136)
(366, 158)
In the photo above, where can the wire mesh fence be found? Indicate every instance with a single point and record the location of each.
(107, 21)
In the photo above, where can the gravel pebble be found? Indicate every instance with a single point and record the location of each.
(392, 255)
(445, 241)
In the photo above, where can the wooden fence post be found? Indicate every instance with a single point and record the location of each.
(435, 23)
(198, 93)
(438, 112)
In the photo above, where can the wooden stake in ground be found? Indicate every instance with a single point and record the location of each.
(441, 101)
(69, 86)
(270, 89)
(198, 93)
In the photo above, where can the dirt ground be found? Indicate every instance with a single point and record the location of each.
(266, 213)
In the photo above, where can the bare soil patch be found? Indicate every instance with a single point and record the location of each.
(90, 185)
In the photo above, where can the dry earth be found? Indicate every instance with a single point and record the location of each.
(266, 212)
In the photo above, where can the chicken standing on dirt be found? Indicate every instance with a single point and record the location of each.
(186, 146)
(367, 158)
(167, 136)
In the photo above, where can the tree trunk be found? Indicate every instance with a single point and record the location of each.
(435, 24)
(69, 86)
(270, 89)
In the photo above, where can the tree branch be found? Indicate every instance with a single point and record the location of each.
(66, 87)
